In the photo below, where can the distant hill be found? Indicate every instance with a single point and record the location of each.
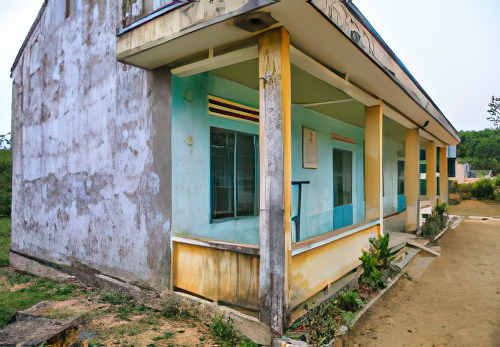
(481, 149)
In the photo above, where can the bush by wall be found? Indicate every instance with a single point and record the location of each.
(484, 189)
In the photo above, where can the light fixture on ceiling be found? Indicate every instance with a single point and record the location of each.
(256, 21)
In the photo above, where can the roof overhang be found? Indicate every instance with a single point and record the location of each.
(344, 45)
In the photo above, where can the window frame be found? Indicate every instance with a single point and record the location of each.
(235, 176)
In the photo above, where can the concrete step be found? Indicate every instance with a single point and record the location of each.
(32, 330)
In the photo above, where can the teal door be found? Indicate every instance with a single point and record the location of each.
(342, 189)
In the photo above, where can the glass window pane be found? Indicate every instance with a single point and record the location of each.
(401, 177)
(246, 174)
(342, 177)
(222, 172)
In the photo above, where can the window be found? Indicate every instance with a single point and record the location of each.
(342, 177)
(401, 177)
(234, 174)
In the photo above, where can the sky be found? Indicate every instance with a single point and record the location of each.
(451, 47)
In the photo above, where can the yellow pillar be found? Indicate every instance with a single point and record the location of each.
(275, 177)
(373, 164)
(443, 175)
(412, 178)
(431, 163)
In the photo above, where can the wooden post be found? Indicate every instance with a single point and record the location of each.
(373, 164)
(412, 178)
(275, 177)
(443, 175)
(430, 177)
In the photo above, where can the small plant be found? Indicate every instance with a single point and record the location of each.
(223, 331)
(172, 311)
(371, 276)
(437, 221)
(348, 316)
(381, 251)
(349, 300)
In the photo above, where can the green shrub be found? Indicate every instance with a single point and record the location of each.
(437, 221)
(371, 276)
(483, 189)
(496, 181)
(496, 194)
(349, 300)
(454, 187)
(225, 333)
(380, 249)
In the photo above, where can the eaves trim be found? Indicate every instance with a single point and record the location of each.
(28, 37)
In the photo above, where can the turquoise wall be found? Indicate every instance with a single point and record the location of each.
(390, 165)
(191, 163)
(317, 197)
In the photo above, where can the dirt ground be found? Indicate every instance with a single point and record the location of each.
(476, 208)
(456, 301)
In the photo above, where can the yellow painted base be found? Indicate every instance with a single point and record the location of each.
(313, 270)
(218, 275)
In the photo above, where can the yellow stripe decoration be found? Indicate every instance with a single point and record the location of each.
(229, 109)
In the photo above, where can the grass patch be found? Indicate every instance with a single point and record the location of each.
(31, 291)
(18, 290)
(123, 306)
(4, 241)
(166, 335)
(172, 311)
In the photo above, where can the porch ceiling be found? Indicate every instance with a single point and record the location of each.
(312, 34)
(307, 91)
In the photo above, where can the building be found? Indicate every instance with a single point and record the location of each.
(243, 151)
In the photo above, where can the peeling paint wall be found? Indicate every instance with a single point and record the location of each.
(91, 148)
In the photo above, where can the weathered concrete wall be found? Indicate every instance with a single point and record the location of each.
(91, 148)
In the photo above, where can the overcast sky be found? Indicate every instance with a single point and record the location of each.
(452, 47)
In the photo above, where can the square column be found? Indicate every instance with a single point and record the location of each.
(275, 177)
(443, 175)
(412, 178)
(431, 164)
(373, 164)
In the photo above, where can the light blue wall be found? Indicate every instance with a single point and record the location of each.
(317, 197)
(391, 148)
(191, 164)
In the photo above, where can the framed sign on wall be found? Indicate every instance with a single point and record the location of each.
(309, 148)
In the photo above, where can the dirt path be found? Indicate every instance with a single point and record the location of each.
(456, 302)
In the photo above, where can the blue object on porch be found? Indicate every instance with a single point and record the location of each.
(342, 216)
(401, 202)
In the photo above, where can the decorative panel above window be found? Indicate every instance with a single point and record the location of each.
(232, 110)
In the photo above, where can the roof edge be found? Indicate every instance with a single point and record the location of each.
(28, 37)
(364, 21)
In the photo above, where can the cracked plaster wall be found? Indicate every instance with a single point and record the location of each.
(91, 148)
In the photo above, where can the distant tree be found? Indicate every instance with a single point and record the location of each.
(494, 111)
(5, 141)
